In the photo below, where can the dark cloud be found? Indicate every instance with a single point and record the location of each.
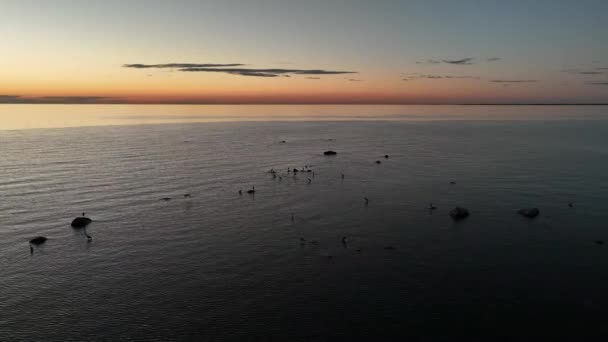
(431, 77)
(230, 69)
(247, 73)
(472, 77)
(513, 81)
(464, 61)
(429, 61)
(494, 59)
(597, 83)
(412, 77)
(585, 72)
(267, 72)
(180, 65)
(55, 99)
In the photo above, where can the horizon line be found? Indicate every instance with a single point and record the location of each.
(310, 103)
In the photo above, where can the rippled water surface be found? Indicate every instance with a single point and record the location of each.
(219, 266)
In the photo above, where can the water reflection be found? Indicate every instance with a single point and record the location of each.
(25, 116)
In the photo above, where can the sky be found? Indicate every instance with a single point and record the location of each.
(314, 51)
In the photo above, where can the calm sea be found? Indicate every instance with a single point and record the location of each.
(219, 266)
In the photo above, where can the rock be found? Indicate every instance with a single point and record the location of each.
(283, 141)
(599, 242)
(386, 156)
(39, 240)
(529, 212)
(81, 222)
(330, 153)
(459, 213)
(378, 162)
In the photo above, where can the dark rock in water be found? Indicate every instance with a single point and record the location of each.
(378, 162)
(81, 222)
(166, 199)
(330, 153)
(459, 213)
(386, 156)
(389, 248)
(529, 212)
(39, 240)
(599, 242)
(452, 183)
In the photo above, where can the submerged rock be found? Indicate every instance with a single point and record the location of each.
(38, 240)
(459, 213)
(529, 212)
(378, 162)
(330, 153)
(81, 222)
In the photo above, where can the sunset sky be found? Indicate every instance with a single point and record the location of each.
(255, 51)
